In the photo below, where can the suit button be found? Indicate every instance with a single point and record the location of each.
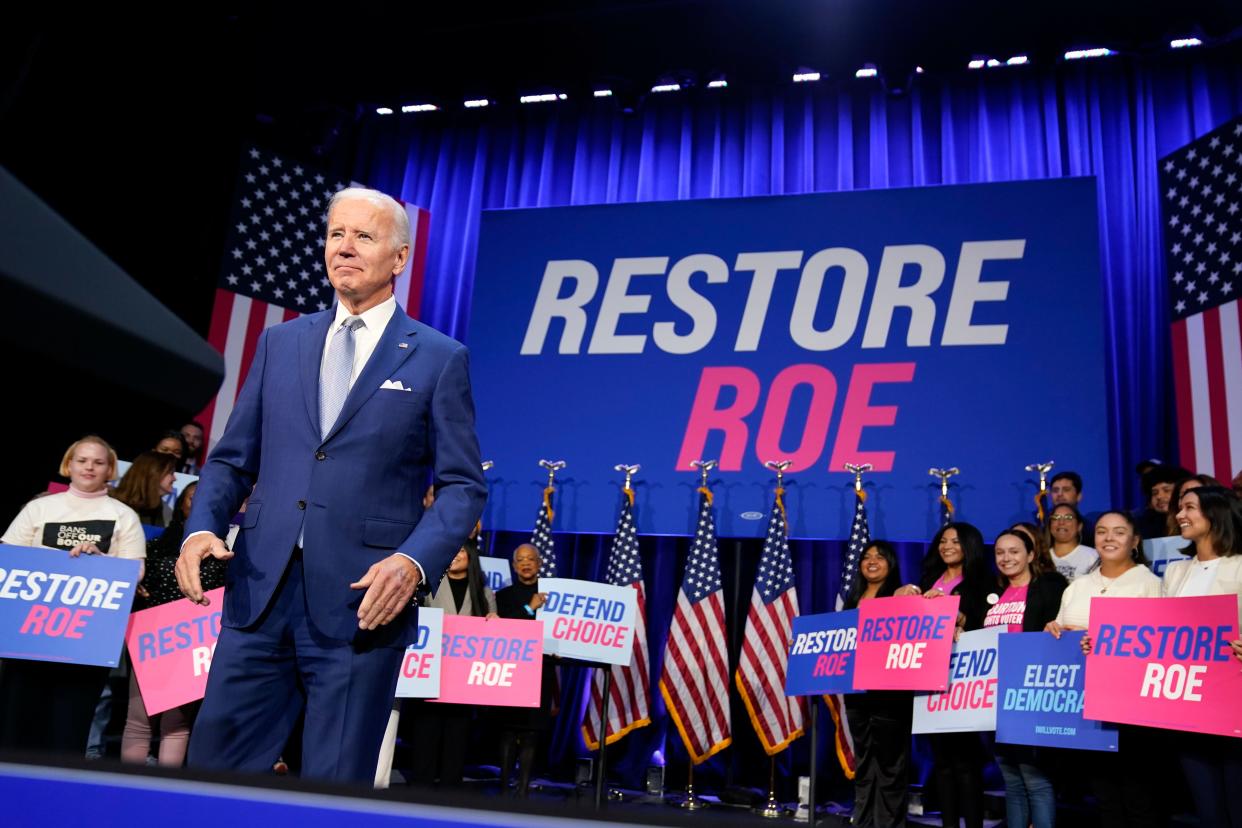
(319, 455)
(302, 504)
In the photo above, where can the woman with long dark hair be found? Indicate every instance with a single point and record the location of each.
(442, 731)
(1210, 518)
(956, 564)
(143, 488)
(879, 720)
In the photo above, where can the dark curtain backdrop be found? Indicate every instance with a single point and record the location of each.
(1111, 118)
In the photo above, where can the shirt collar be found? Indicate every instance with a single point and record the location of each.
(375, 319)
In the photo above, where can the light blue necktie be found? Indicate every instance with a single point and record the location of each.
(337, 369)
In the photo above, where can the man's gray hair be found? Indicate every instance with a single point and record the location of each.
(400, 218)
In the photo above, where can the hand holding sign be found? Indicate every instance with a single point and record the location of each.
(197, 548)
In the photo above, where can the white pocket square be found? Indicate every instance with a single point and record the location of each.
(394, 385)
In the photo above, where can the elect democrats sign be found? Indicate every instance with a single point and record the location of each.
(823, 329)
(57, 608)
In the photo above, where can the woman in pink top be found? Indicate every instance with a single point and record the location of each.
(1028, 597)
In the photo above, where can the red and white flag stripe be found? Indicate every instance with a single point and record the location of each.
(1207, 368)
(695, 684)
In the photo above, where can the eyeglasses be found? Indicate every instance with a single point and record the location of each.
(1063, 517)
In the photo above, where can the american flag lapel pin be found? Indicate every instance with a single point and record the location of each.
(403, 345)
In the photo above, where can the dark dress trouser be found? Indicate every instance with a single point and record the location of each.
(880, 725)
(264, 676)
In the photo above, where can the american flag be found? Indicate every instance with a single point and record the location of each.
(695, 684)
(541, 537)
(765, 646)
(1203, 248)
(860, 536)
(630, 697)
(273, 269)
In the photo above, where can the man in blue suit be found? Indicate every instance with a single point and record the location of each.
(344, 417)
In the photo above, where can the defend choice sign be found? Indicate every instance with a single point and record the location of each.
(170, 647)
(420, 666)
(57, 608)
(1041, 691)
(819, 328)
(904, 643)
(969, 703)
(588, 621)
(497, 571)
(821, 655)
(491, 661)
(1165, 662)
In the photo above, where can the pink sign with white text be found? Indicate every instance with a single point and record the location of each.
(1165, 662)
(497, 661)
(170, 647)
(904, 642)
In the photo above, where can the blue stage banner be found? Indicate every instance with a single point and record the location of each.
(1041, 683)
(57, 608)
(906, 328)
(821, 654)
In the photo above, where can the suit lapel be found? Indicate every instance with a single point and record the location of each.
(310, 352)
(384, 362)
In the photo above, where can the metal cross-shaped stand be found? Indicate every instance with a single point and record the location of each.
(944, 475)
(553, 466)
(858, 470)
(1043, 469)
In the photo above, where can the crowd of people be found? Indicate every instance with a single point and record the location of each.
(1044, 581)
(1033, 578)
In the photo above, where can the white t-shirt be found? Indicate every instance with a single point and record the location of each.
(1136, 582)
(1202, 576)
(1076, 563)
(65, 519)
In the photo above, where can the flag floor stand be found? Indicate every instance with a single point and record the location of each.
(603, 739)
(692, 802)
(771, 809)
(810, 784)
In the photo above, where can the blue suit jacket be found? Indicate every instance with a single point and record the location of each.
(359, 491)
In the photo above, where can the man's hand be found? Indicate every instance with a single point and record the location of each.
(389, 584)
(193, 551)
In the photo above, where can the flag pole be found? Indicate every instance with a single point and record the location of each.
(810, 788)
(628, 491)
(944, 475)
(693, 802)
(478, 527)
(1043, 469)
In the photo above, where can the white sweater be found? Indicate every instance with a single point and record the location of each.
(65, 519)
(1136, 582)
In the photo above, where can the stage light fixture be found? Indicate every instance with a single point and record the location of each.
(918, 70)
(603, 93)
(1183, 42)
(1079, 54)
(477, 103)
(977, 63)
(806, 77)
(868, 71)
(666, 87)
(420, 108)
(383, 110)
(1018, 60)
(544, 98)
(719, 83)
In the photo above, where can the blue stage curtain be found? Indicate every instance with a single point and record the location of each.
(1111, 118)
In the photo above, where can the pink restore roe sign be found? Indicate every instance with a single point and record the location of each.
(904, 643)
(170, 647)
(497, 661)
(1165, 662)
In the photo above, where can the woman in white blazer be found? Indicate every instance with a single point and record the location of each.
(1210, 518)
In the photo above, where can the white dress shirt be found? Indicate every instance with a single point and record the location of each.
(366, 337)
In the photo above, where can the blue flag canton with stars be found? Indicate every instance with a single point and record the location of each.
(624, 566)
(860, 536)
(541, 539)
(274, 248)
(1202, 188)
(703, 563)
(775, 564)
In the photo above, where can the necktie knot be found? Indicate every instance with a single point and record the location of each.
(353, 323)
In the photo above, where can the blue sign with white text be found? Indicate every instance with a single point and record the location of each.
(57, 608)
(821, 654)
(1041, 682)
(905, 328)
